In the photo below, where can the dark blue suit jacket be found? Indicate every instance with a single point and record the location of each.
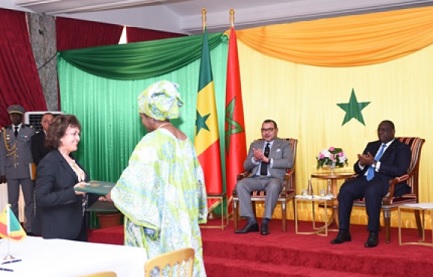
(394, 162)
(38, 147)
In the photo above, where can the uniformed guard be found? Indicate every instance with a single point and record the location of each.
(15, 160)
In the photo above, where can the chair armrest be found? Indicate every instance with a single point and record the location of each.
(287, 179)
(288, 183)
(243, 174)
(240, 176)
(387, 199)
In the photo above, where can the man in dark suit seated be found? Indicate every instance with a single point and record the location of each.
(381, 161)
(268, 160)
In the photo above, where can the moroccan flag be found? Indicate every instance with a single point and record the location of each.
(235, 141)
(206, 140)
(10, 227)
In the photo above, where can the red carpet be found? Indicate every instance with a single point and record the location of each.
(288, 254)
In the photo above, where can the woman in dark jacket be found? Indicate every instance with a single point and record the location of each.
(62, 207)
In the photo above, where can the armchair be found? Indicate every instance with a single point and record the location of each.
(390, 202)
(287, 193)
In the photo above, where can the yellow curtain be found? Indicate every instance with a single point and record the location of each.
(345, 41)
(317, 68)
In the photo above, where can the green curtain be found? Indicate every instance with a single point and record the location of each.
(107, 108)
(140, 60)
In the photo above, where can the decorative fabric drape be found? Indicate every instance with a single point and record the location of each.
(302, 98)
(139, 60)
(74, 33)
(137, 34)
(345, 41)
(19, 79)
(107, 110)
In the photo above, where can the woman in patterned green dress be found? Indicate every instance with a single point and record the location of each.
(162, 192)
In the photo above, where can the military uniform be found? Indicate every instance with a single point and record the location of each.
(15, 157)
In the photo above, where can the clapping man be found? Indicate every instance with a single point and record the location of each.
(381, 161)
(268, 160)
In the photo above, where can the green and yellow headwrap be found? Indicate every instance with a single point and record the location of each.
(160, 101)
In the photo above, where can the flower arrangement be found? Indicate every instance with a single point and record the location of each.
(333, 157)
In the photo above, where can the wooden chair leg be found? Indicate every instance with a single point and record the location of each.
(253, 204)
(283, 214)
(418, 223)
(387, 219)
(294, 211)
(235, 213)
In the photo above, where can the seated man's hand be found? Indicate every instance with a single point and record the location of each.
(366, 159)
(258, 154)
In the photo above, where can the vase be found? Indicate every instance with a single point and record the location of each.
(310, 188)
(329, 188)
(332, 166)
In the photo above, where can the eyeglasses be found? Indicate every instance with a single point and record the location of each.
(264, 130)
(73, 134)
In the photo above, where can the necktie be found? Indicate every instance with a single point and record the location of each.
(16, 131)
(264, 166)
(370, 171)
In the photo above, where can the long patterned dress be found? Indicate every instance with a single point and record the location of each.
(163, 197)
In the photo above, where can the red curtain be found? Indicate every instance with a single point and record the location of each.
(75, 33)
(19, 79)
(137, 34)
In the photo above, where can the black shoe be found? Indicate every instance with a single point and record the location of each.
(372, 240)
(264, 229)
(249, 227)
(342, 236)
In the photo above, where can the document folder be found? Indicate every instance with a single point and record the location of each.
(97, 187)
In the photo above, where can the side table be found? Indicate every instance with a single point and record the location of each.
(333, 177)
(224, 211)
(315, 200)
(104, 214)
(422, 207)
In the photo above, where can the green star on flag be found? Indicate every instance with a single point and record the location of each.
(207, 141)
(201, 122)
(353, 109)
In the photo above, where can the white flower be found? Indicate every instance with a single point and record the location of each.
(331, 157)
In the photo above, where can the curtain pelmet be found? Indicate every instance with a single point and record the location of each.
(140, 60)
(345, 41)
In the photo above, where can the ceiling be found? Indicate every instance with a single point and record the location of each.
(185, 16)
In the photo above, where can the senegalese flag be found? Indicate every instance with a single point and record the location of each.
(235, 141)
(206, 140)
(10, 227)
